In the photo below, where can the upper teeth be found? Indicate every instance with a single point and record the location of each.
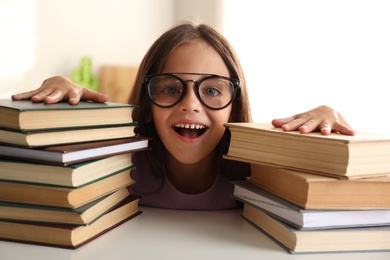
(190, 126)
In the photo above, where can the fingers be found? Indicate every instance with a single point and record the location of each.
(297, 122)
(322, 119)
(59, 88)
(49, 96)
(324, 127)
(74, 99)
(343, 129)
(282, 121)
(24, 95)
(37, 96)
(94, 96)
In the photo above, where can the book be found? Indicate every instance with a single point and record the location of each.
(319, 241)
(311, 191)
(72, 176)
(65, 136)
(47, 195)
(26, 115)
(75, 153)
(83, 215)
(304, 219)
(69, 236)
(343, 156)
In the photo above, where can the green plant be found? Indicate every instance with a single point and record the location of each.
(84, 76)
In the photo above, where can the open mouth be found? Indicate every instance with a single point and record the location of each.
(190, 130)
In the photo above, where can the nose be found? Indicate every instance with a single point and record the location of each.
(190, 101)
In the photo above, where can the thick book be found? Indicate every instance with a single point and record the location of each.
(311, 191)
(305, 219)
(72, 176)
(319, 241)
(343, 156)
(83, 215)
(47, 195)
(69, 236)
(65, 136)
(75, 153)
(26, 115)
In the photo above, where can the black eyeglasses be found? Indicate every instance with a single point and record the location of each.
(214, 91)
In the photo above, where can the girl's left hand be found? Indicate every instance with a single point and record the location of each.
(322, 118)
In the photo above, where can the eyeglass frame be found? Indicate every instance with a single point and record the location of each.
(235, 82)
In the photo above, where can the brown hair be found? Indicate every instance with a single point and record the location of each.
(153, 63)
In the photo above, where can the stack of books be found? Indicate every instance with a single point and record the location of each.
(313, 193)
(65, 170)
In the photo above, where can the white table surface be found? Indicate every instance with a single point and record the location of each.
(169, 234)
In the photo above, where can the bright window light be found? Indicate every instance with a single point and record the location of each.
(17, 41)
(301, 54)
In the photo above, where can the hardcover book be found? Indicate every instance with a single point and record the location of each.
(311, 191)
(26, 115)
(47, 195)
(72, 176)
(305, 219)
(69, 236)
(319, 241)
(351, 157)
(83, 215)
(75, 153)
(65, 136)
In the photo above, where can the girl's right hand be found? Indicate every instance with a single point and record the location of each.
(60, 88)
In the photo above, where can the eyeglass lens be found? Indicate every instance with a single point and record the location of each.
(167, 90)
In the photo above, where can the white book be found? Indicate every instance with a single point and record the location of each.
(307, 219)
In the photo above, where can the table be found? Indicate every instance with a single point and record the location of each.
(171, 234)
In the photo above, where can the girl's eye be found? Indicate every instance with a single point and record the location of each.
(170, 90)
(211, 92)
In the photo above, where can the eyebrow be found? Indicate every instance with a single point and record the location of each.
(193, 73)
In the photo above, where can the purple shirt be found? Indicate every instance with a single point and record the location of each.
(161, 193)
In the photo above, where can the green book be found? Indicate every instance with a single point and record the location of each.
(84, 215)
(60, 136)
(69, 236)
(74, 197)
(25, 115)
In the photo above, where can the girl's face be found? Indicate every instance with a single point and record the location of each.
(189, 130)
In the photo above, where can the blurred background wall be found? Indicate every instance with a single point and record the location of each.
(296, 54)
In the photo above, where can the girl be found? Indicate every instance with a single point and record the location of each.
(189, 84)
